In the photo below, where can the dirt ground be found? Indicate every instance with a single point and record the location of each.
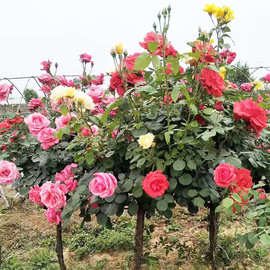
(24, 230)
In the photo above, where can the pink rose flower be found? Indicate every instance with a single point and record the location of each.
(46, 138)
(4, 92)
(53, 216)
(266, 78)
(34, 195)
(85, 58)
(107, 100)
(8, 172)
(34, 103)
(66, 176)
(89, 131)
(98, 79)
(246, 87)
(45, 78)
(62, 121)
(224, 175)
(46, 65)
(52, 196)
(96, 93)
(36, 122)
(103, 185)
(46, 88)
(262, 194)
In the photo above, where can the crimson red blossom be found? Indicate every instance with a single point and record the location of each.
(212, 81)
(207, 52)
(252, 113)
(46, 65)
(224, 175)
(85, 58)
(152, 37)
(155, 184)
(130, 61)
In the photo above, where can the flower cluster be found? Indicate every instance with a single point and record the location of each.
(53, 195)
(221, 13)
(237, 180)
(38, 125)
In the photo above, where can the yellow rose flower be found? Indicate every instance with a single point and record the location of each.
(119, 48)
(228, 14)
(219, 13)
(222, 72)
(146, 141)
(258, 85)
(210, 8)
(61, 92)
(83, 100)
(211, 41)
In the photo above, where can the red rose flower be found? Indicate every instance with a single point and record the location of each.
(116, 83)
(130, 61)
(155, 184)
(207, 52)
(251, 112)
(152, 37)
(219, 106)
(98, 80)
(225, 175)
(212, 81)
(242, 182)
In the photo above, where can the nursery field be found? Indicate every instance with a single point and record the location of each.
(29, 243)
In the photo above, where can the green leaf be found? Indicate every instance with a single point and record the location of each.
(191, 164)
(179, 165)
(133, 208)
(155, 61)
(175, 93)
(167, 135)
(138, 132)
(198, 201)
(162, 205)
(120, 198)
(234, 161)
(140, 162)
(106, 114)
(110, 209)
(64, 109)
(160, 164)
(89, 158)
(208, 111)
(152, 46)
(147, 88)
(192, 193)
(237, 197)
(185, 179)
(102, 219)
(142, 61)
(137, 191)
(204, 192)
(127, 185)
(265, 239)
(227, 202)
(173, 184)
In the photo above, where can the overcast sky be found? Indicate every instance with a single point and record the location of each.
(60, 30)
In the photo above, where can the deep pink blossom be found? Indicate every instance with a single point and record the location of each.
(46, 138)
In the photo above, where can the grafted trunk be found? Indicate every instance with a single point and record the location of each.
(213, 232)
(139, 238)
(59, 247)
